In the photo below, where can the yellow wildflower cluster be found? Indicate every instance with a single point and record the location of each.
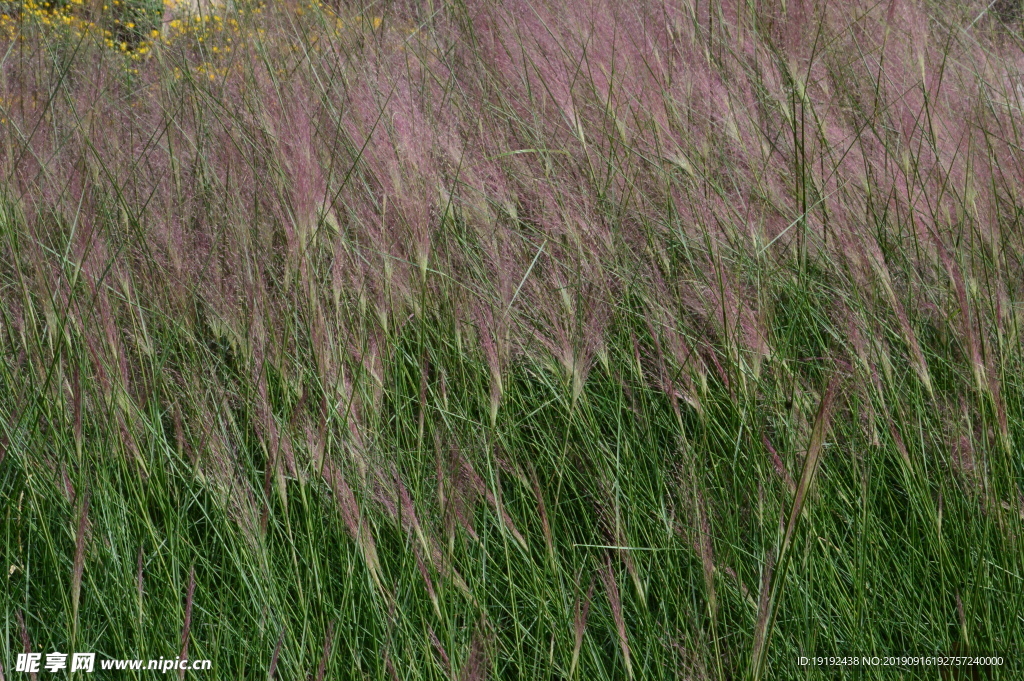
(125, 30)
(118, 25)
(203, 28)
(375, 22)
(74, 18)
(213, 35)
(47, 15)
(8, 26)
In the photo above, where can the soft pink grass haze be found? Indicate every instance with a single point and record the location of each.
(595, 130)
(548, 183)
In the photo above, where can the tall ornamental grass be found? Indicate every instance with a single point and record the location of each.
(471, 339)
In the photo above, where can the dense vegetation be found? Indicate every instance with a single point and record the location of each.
(468, 339)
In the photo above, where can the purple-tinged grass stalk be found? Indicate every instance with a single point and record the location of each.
(446, 663)
(580, 627)
(467, 219)
(78, 564)
(275, 657)
(615, 601)
(26, 642)
(772, 584)
(478, 661)
(326, 654)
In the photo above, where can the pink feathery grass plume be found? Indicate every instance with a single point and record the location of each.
(457, 494)
(614, 600)
(574, 315)
(542, 511)
(394, 497)
(706, 551)
(677, 361)
(326, 653)
(477, 486)
(78, 564)
(358, 526)
(780, 467)
(26, 642)
(427, 581)
(478, 661)
(493, 334)
(272, 670)
(187, 625)
(580, 626)
(446, 663)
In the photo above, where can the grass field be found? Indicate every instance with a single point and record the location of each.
(468, 339)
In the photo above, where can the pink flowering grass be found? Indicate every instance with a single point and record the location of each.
(486, 339)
